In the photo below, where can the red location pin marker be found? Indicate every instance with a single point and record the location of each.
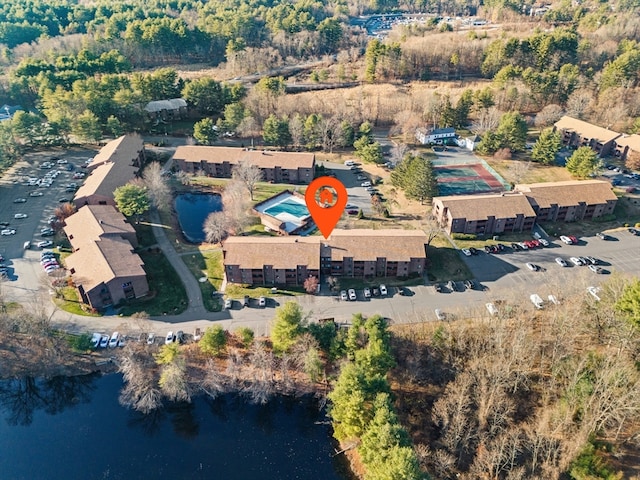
(326, 198)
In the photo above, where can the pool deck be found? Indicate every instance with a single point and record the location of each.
(290, 222)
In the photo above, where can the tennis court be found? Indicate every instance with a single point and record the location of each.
(468, 179)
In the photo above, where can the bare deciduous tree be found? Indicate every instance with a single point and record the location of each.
(398, 152)
(549, 115)
(157, 185)
(140, 390)
(214, 382)
(518, 170)
(487, 119)
(216, 227)
(248, 174)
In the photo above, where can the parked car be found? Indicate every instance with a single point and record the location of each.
(262, 302)
(634, 231)
(47, 232)
(467, 252)
(95, 339)
(537, 301)
(553, 299)
(469, 284)
(451, 285)
(8, 231)
(151, 338)
(343, 295)
(44, 244)
(438, 287)
(474, 251)
(516, 246)
(170, 338)
(245, 301)
(603, 236)
(544, 242)
(352, 294)
(591, 260)
(593, 291)
(20, 215)
(577, 261)
(121, 341)
(375, 291)
(561, 262)
(367, 293)
(365, 184)
(20, 200)
(491, 308)
(383, 289)
(595, 269)
(104, 341)
(113, 341)
(566, 240)
(532, 266)
(197, 334)
(36, 194)
(440, 314)
(180, 336)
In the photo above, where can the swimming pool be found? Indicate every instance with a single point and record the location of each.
(289, 206)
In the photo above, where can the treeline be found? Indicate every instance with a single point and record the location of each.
(528, 394)
(362, 407)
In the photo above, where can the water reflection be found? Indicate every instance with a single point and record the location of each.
(20, 398)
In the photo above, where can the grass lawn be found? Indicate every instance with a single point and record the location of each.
(207, 263)
(445, 262)
(144, 232)
(70, 302)
(237, 291)
(261, 192)
(166, 291)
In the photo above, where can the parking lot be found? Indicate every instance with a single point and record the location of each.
(352, 179)
(38, 208)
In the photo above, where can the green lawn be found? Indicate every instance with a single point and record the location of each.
(237, 291)
(70, 302)
(167, 294)
(207, 263)
(444, 262)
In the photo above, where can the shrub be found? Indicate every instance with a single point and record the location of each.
(503, 154)
(246, 336)
(464, 236)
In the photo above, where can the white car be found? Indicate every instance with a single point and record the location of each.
(262, 302)
(466, 252)
(352, 294)
(595, 269)
(576, 261)
(20, 215)
(594, 292)
(365, 184)
(566, 240)
(491, 308)
(383, 290)
(121, 341)
(544, 242)
(169, 338)
(367, 293)
(61, 161)
(113, 341)
(44, 244)
(561, 262)
(95, 340)
(8, 231)
(20, 200)
(553, 299)
(36, 194)
(349, 163)
(343, 295)
(104, 341)
(440, 314)
(151, 338)
(537, 301)
(532, 266)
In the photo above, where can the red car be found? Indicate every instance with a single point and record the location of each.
(573, 239)
(352, 212)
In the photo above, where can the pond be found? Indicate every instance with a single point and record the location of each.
(74, 427)
(193, 209)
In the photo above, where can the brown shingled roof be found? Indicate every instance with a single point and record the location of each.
(586, 129)
(631, 141)
(366, 244)
(481, 207)
(569, 193)
(279, 252)
(233, 156)
(90, 222)
(124, 149)
(105, 178)
(99, 262)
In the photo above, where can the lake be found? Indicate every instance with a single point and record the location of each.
(193, 209)
(74, 428)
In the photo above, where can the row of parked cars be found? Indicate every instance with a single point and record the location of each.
(49, 261)
(351, 295)
(100, 340)
(245, 302)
